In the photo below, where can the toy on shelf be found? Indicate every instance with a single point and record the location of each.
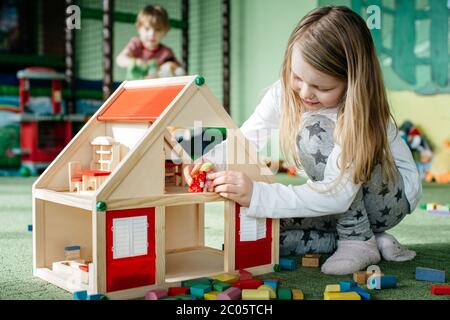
(435, 208)
(418, 145)
(140, 232)
(440, 166)
(443, 289)
(105, 158)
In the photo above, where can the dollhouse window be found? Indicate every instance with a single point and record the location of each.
(130, 237)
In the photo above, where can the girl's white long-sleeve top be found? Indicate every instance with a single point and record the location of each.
(280, 201)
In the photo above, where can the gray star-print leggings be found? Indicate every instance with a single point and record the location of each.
(377, 206)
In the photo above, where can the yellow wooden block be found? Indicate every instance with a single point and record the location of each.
(255, 294)
(333, 288)
(297, 294)
(212, 295)
(272, 292)
(227, 277)
(341, 296)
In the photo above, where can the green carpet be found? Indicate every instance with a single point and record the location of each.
(428, 235)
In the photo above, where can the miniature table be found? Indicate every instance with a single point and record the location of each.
(92, 179)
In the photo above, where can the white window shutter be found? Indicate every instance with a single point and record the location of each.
(130, 237)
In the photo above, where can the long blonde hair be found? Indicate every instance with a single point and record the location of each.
(336, 41)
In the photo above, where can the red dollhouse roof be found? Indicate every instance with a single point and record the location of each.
(140, 104)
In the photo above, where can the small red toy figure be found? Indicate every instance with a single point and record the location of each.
(199, 179)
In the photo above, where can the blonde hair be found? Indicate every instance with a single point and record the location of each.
(156, 16)
(336, 41)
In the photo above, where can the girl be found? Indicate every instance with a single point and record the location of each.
(331, 107)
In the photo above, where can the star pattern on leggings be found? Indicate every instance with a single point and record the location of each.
(358, 214)
(319, 157)
(399, 216)
(306, 237)
(399, 194)
(315, 130)
(347, 226)
(365, 190)
(380, 224)
(282, 239)
(386, 211)
(354, 234)
(384, 191)
(321, 234)
(327, 225)
(367, 238)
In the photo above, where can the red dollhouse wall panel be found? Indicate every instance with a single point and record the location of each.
(253, 253)
(130, 272)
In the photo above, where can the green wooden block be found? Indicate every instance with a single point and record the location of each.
(194, 282)
(284, 294)
(220, 286)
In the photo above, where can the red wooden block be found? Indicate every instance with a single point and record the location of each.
(248, 284)
(174, 291)
(440, 289)
(244, 275)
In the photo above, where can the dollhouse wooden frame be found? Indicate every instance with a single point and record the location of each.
(135, 232)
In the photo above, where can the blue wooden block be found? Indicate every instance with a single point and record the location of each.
(288, 264)
(30, 227)
(382, 282)
(71, 248)
(199, 290)
(428, 274)
(96, 297)
(347, 285)
(364, 295)
(272, 283)
(80, 295)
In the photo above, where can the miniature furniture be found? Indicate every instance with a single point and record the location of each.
(138, 231)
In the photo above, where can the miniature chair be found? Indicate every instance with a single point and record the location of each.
(105, 153)
(75, 178)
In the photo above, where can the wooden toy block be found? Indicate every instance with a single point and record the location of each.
(227, 278)
(311, 260)
(184, 297)
(272, 292)
(199, 290)
(220, 286)
(72, 252)
(244, 275)
(211, 295)
(156, 294)
(364, 294)
(175, 291)
(428, 274)
(232, 293)
(341, 296)
(333, 288)
(254, 294)
(272, 283)
(193, 282)
(297, 294)
(80, 295)
(442, 289)
(347, 285)
(381, 282)
(284, 293)
(360, 277)
(288, 264)
(126, 170)
(97, 297)
(248, 284)
(30, 227)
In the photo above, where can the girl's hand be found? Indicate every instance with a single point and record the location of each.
(192, 170)
(233, 185)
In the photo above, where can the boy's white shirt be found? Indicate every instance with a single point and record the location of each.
(280, 201)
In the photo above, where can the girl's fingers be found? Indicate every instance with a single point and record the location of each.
(230, 196)
(224, 180)
(187, 175)
(227, 188)
(214, 175)
(196, 168)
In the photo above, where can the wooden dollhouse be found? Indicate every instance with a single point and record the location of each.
(138, 228)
